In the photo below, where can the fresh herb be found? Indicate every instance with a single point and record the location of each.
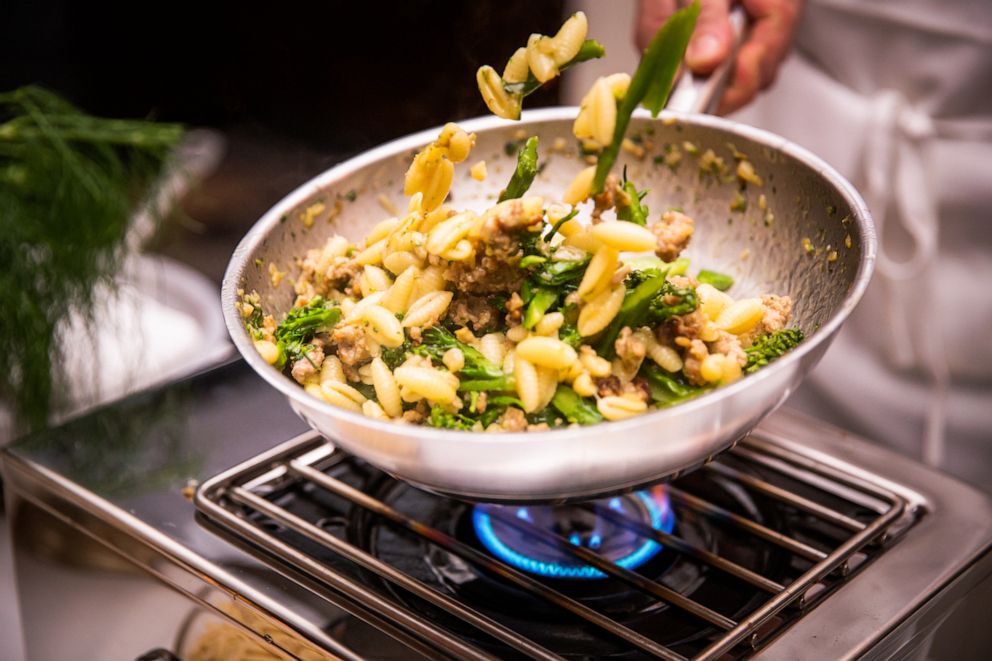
(590, 50)
(651, 83)
(771, 346)
(477, 374)
(523, 175)
(667, 388)
(576, 409)
(721, 281)
(69, 185)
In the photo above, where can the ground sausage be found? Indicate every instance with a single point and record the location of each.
(473, 311)
(729, 345)
(673, 232)
(306, 367)
(695, 354)
(513, 419)
(351, 345)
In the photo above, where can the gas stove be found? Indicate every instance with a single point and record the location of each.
(202, 521)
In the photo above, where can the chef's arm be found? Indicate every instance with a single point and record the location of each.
(773, 23)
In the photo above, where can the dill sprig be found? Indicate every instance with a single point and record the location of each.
(69, 185)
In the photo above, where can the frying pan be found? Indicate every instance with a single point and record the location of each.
(805, 233)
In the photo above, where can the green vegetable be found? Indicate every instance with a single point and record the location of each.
(560, 272)
(542, 299)
(633, 310)
(532, 260)
(721, 281)
(651, 83)
(634, 212)
(576, 409)
(396, 356)
(666, 388)
(70, 184)
(548, 415)
(590, 50)
(300, 325)
(647, 305)
(767, 348)
(523, 175)
(477, 374)
(659, 310)
(447, 420)
(569, 334)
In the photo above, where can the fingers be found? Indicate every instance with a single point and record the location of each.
(651, 14)
(712, 39)
(774, 23)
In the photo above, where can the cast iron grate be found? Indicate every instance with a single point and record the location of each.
(249, 501)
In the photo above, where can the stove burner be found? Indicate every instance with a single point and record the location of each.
(580, 526)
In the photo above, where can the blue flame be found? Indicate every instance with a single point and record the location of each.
(661, 518)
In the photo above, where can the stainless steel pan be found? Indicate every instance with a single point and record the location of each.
(811, 238)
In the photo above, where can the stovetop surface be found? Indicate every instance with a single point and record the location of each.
(136, 462)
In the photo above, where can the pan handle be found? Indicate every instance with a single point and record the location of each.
(702, 93)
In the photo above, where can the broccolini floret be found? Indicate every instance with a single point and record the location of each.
(767, 348)
(298, 328)
(479, 373)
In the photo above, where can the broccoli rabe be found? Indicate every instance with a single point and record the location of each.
(470, 415)
(576, 409)
(632, 211)
(721, 281)
(671, 301)
(523, 175)
(394, 357)
(447, 420)
(767, 348)
(667, 388)
(301, 324)
(570, 335)
(650, 302)
(477, 374)
(560, 272)
(541, 299)
(299, 327)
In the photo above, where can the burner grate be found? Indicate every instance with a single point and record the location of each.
(246, 501)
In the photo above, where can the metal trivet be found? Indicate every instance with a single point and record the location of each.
(243, 501)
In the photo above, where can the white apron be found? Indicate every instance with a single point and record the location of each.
(898, 97)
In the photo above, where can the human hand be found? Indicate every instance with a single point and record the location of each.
(773, 23)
